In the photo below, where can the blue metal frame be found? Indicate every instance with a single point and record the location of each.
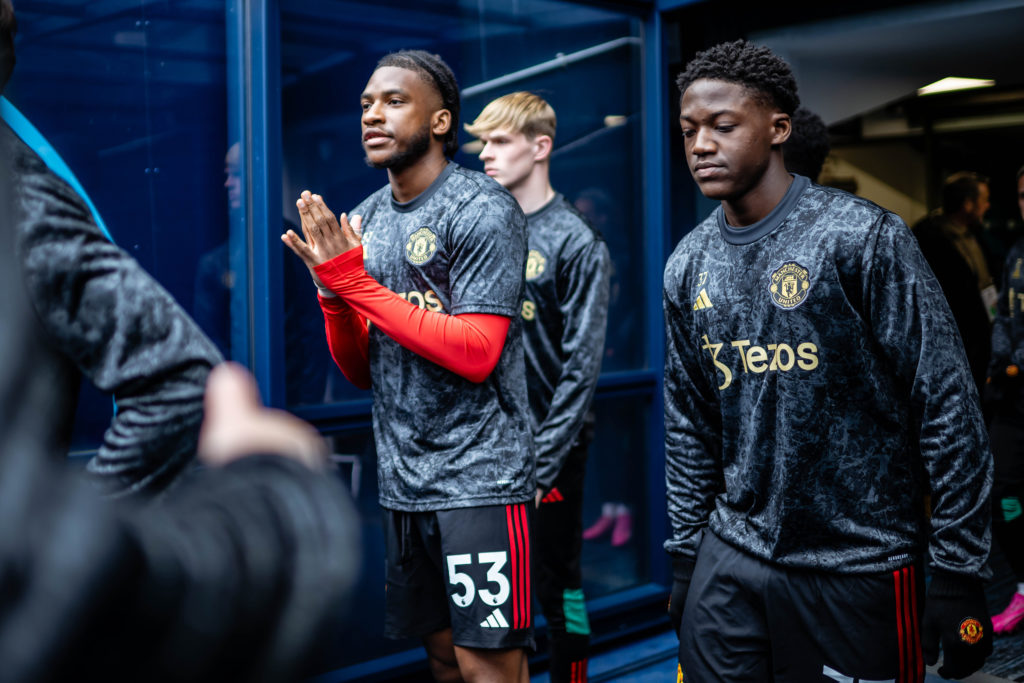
(656, 215)
(254, 75)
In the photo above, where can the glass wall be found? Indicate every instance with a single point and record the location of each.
(587, 63)
(584, 61)
(132, 95)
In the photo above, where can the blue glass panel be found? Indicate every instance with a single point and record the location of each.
(132, 95)
(585, 61)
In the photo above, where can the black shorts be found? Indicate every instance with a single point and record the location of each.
(748, 620)
(467, 568)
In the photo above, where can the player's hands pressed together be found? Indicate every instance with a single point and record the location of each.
(326, 236)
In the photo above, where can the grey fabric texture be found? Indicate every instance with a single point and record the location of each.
(805, 423)
(564, 319)
(102, 316)
(442, 441)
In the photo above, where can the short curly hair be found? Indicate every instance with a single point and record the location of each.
(755, 67)
(437, 74)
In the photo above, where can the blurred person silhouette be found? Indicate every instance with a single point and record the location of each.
(805, 151)
(102, 316)
(1005, 395)
(948, 238)
(235, 575)
(215, 280)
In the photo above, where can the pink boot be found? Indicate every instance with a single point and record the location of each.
(1010, 618)
(602, 525)
(623, 530)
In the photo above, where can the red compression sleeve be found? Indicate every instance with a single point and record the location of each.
(469, 344)
(348, 340)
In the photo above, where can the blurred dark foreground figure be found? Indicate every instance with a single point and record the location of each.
(233, 577)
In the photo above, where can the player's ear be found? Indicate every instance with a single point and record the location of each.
(440, 122)
(782, 126)
(542, 145)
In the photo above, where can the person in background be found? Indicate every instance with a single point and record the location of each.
(948, 240)
(422, 295)
(808, 145)
(564, 318)
(1005, 394)
(815, 391)
(100, 315)
(214, 286)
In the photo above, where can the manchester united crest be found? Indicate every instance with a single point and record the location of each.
(421, 246)
(789, 285)
(535, 263)
(971, 630)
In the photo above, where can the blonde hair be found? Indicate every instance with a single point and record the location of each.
(519, 112)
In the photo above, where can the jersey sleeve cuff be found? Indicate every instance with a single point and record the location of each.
(336, 272)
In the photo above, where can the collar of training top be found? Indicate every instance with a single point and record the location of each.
(769, 223)
(423, 197)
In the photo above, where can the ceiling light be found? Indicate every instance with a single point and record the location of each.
(950, 83)
(613, 120)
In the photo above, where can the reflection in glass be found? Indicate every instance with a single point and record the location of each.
(133, 97)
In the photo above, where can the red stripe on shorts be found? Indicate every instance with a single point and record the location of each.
(901, 640)
(513, 566)
(527, 600)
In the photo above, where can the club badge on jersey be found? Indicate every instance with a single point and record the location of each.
(421, 247)
(535, 264)
(789, 285)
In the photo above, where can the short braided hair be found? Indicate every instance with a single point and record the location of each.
(439, 76)
(755, 67)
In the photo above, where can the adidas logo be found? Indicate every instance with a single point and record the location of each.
(702, 301)
(494, 620)
(554, 496)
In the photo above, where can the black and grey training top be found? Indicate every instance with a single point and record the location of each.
(564, 319)
(815, 389)
(442, 441)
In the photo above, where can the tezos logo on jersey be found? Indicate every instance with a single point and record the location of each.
(535, 263)
(789, 285)
(421, 246)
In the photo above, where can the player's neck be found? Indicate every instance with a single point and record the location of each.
(410, 182)
(759, 201)
(535, 191)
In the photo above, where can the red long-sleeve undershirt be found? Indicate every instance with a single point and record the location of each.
(469, 344)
